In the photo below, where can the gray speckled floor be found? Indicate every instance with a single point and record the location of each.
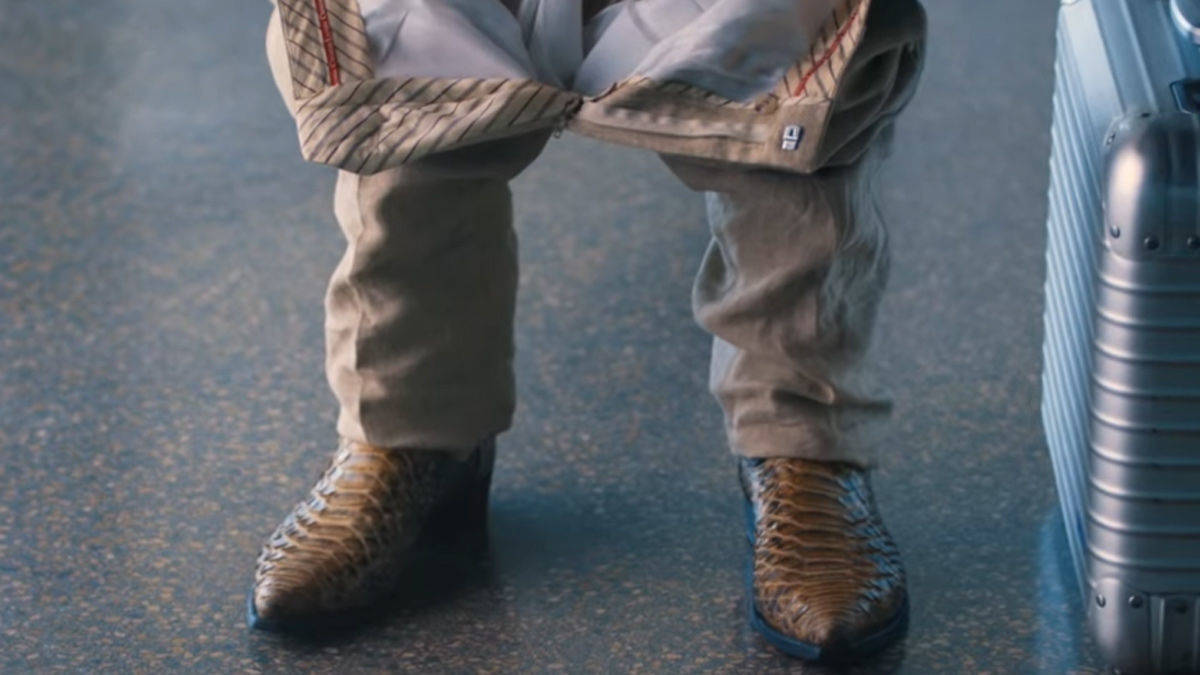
(162, 257)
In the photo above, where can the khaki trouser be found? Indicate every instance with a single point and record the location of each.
(420, 309)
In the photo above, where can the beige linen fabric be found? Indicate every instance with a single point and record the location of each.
(788, 288)
(419, 311)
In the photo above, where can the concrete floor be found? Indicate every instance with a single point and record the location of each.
(163, 253)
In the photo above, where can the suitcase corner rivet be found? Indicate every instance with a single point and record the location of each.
(1151, 243)
(1135, 601)
(1101, 601)
(1193, 243)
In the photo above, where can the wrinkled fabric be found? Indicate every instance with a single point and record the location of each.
(553, 38)
(731, 47)
(419, 311)
(445, 38)
(789, 288)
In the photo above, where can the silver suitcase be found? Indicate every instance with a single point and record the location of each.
(1121, 381)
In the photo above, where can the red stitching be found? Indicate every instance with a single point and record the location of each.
(837, 41)
(331, 60)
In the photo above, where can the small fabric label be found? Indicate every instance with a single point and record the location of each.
(791, 136)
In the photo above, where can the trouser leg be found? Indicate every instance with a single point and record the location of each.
(419, 311)
(798, 262)
(791, 323)
(789, 288)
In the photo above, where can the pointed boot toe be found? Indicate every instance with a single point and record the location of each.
(826, 581)
(346, 545)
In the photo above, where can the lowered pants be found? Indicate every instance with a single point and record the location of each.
(778, 114)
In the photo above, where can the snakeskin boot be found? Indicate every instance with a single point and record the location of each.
(347, 542)
(826, 581)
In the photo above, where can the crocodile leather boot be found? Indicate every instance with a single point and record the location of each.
(826, 581)
(346, 544)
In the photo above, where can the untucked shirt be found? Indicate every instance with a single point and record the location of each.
(734, 48)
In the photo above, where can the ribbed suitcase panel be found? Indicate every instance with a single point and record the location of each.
(1145, 466)
(1074, 220)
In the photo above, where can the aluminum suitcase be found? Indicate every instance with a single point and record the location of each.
(1121, 380)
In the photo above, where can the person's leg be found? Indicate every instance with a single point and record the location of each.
(419, 355)
(419, 312)
(789, 288)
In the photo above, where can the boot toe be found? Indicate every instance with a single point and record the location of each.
(830, 629)
(273, 604)
(342, 548)
(827, 581)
